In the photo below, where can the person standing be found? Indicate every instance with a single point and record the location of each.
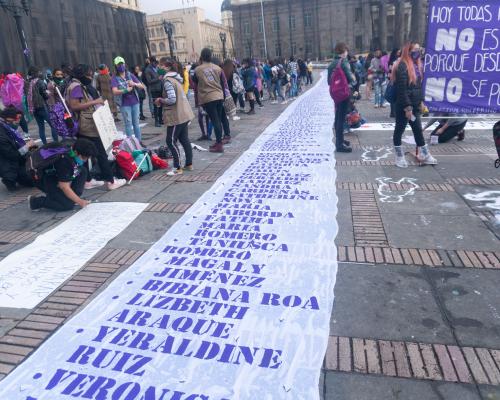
(309, 72)
(409, 102)
(125, 89)
(340, 61)
(210, 92)
(37, 103)
(154, 82)
(177, 116)
(292, 70)
(249, 77)
(103, 85)
(378, 78)
(141, 92)
(83, 100)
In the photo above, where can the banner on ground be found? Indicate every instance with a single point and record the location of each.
(30, 274)
(233, 303)
(462, 60)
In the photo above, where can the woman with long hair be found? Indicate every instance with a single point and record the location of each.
(409, 102)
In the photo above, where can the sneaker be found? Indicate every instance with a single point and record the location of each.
(274, 102)
(284, 102)
(93, 184)
(202, 137)
(174, 172)
(425, 157)
(261, 105)
(461, 135)
(236, 118)
(251, 112)
(32, 203)
(188, 168)
(347, 142)
(118, 183)
(142, 118)
(216, 148)
(226, 140)
(401, 162)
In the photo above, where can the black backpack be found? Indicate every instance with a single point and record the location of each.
(44, 157)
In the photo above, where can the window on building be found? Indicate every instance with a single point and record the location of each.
(248, 50)
(260, 25)
(277, 49)
(309, 47)
(358, 14)
(276, 24)
(246, 28)
(291, 21)
(262, 50)
(308, 19)
(163, 48)
(359, 42)
(293, 48)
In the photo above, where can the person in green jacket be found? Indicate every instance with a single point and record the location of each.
(341, 52)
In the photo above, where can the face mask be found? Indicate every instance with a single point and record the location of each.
(121, 69)
(162, 71)
(14, 125)
(415, 54)
(58, 80)
(85, 80)
(78, 161)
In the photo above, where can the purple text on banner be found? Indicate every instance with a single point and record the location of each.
(462, 60)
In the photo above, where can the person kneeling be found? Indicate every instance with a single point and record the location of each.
(13, 150)
(63, 182)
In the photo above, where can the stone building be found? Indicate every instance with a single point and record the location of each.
(130, 4)
(310, 28)
(192, 32)
(71, 31)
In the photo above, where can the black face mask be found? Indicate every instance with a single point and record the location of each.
(85, 80)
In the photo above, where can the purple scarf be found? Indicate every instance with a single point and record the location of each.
(13, 134)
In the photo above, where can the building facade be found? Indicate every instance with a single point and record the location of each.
(191, 33)
(311, 28)
(74, 31)
(130, 4)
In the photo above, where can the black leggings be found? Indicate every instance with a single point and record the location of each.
(179, 133)
(102, 160)
(340, 114)
(214, 110)
(55, 199)
(402, 122)
(449, 133)
(237, 98)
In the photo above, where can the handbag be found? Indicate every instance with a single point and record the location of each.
(390, 93)
(229, 106)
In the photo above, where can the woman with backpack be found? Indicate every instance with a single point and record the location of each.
(341, 85)
(177, 116)
(125, 86)
(83, 100)
(408, 79)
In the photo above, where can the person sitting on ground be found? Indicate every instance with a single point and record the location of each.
(13, 150)
(448, 128)
(177, 115)
(63, 182)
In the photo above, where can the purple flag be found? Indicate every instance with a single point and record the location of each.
(462, 60)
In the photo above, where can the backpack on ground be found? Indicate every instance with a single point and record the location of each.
(44, 157)
(131, 144)
(339, 87)
(143, 161)
(126, 164)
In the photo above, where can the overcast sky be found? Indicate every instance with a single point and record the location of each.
(211, 7)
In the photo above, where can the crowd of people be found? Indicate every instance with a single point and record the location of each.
(65, 98)
(395, 79)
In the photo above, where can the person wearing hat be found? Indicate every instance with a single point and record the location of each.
(13, 150)
(103, 84)
(125, 86)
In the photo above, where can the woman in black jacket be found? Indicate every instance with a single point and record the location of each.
(13, 150)
(409, 102)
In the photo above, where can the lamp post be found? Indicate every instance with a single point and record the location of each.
(169, 30)
(12, 7)
(223, 38)
(263, 26)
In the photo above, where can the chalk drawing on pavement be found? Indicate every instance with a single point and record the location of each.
(490, 198)
(389, 196)
(371, 153)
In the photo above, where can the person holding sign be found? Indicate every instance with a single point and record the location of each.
(409, 103)
(125, 86)
(177, 114)
(83, 100)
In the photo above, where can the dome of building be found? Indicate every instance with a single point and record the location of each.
(226, 6)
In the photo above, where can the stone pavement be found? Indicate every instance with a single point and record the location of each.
(417, 304)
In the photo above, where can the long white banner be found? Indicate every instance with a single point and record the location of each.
(30, 274)
(233, 302)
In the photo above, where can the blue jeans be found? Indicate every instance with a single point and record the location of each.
(278, 89)
(293, 88)
(41, 116)
(379, 93)
(130, 116)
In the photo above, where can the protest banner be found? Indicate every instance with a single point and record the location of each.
(462, 60)
(232, 303)
(105, 123)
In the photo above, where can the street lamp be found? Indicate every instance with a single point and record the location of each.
(169, 30)
(12, 7)
(223, 38)
(263, 26)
